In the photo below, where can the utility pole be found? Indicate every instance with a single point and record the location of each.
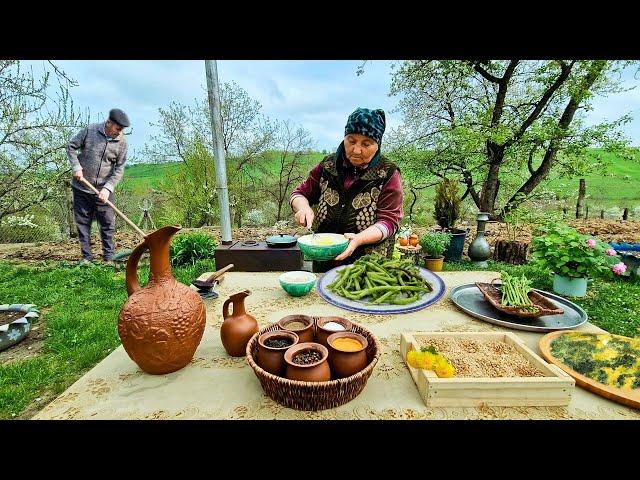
(213, 90)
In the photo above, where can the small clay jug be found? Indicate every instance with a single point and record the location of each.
(323, 333)
(161, 324)
(306, 333)
(318, 371)
(238, 327)
(343, 363)
(271, 359)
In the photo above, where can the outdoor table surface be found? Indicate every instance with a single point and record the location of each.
(217, 386)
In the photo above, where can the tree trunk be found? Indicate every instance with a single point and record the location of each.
(625, 214)
(510, 252)
(581, 193)
(492, 183)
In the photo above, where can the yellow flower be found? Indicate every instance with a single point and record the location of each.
(427, 360)
(423, 360)
(412, 358)
(445, 370)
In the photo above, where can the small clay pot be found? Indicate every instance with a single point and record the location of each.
(314, 372)
(305, 334)
(271, 359)
(413, 240)
(322, 333)
(403, 241)
(434, 263)
(344, 364)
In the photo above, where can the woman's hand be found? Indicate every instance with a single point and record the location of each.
(304, 217)
(354, 242)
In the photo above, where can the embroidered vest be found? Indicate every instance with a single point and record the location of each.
(353, 210)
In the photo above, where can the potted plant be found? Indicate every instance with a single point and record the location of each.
(434, 245)
(571, 256)
(446, 212)
(518, 221)
(511, 250)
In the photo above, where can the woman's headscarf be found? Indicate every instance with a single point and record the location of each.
(367, 122)
(370, 123)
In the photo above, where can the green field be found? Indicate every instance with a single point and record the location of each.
(620, 187)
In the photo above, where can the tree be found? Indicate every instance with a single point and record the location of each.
(192, 189)
(292, 145)
(34, 130)
(246, 135)
(501, 124)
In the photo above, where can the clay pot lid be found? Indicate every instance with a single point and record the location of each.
(356, 336)
(295, 349)
(306, 319)
(278, 334)
(320, 322)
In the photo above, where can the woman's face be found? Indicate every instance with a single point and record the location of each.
(359, 149)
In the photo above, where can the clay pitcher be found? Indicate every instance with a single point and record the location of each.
(238, 327)
(161, 324)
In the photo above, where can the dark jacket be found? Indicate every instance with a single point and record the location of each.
(101, 160)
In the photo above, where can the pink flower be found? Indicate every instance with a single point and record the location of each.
(591, 242)
(611, 252)
(619, 268)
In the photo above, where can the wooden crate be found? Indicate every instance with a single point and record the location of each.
(554, 389)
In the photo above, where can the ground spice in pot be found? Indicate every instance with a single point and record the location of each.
(333, 326)
(295, 325)
(346, 344)
(306, 357)
(280, 342)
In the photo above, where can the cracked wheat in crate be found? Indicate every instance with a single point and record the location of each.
(491, 369)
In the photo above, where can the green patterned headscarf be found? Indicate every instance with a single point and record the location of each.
(369, 123)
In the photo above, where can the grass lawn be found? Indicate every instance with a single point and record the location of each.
(80, 307)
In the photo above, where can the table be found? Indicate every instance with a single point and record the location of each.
(216, 386)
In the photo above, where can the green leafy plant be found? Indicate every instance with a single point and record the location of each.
(566, 252)
(447, 203)
(187, 249)
(435, 243)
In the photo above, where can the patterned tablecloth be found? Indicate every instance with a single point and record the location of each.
(216, 386)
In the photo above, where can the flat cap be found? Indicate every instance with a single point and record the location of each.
(118, 116)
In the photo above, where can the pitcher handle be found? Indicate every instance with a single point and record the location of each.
(132, 268)
(225, 307)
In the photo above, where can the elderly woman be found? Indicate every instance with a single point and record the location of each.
(357, 191)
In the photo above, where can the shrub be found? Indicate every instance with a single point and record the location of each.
(435, 243)
(28, 228)
(255, 218)
(187, 249)
(447, 203)
(566, 252)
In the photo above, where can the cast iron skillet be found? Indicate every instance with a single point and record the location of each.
(281, 241)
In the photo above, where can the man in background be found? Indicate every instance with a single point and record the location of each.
(103, 153)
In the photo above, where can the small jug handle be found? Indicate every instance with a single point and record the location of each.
(132, 268)
(225, 307)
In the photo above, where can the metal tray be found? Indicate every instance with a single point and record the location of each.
(470, 300)
(363, 306)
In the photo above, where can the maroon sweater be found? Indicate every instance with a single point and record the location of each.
(389, 211)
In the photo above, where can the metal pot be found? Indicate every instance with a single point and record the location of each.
(281, 241)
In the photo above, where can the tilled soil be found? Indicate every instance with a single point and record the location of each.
(605, 230)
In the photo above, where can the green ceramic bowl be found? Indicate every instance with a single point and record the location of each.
(297, 283)
(313, 251)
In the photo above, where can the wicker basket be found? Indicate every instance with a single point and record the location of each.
(314, 395)
(494, 297)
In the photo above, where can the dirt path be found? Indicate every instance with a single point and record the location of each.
(605, 230)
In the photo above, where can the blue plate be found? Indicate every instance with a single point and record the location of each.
(364, 306)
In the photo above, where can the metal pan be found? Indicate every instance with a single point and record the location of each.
(470, 300)
(281, 241)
